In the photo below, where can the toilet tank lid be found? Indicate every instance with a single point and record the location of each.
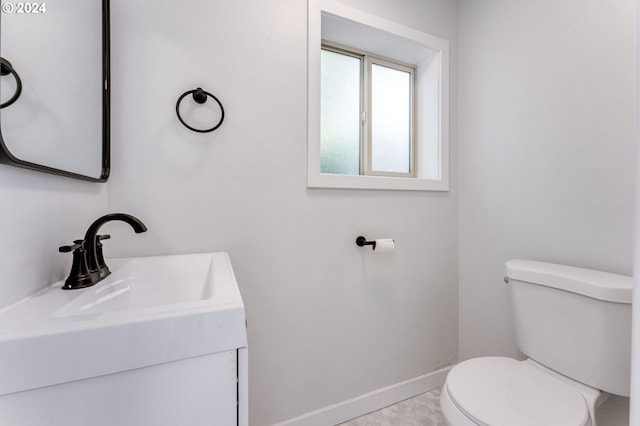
(588, 282)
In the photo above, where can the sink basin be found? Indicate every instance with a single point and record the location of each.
(162, 282)
(149, 311)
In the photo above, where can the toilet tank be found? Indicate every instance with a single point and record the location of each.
(575, 321)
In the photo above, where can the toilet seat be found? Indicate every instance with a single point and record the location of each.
(499, 391)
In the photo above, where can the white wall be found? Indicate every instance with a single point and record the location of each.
(327, 321)
(547, 160)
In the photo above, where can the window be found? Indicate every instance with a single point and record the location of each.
(378, 102)
(366, 114)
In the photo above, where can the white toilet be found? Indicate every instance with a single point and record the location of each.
(574, 324)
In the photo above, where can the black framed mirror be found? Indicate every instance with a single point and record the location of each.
(54, 87)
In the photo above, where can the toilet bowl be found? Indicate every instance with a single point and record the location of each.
(499, 391)
(574, 324)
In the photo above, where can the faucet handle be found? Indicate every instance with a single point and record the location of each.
(67, 249)
(80, 276)
(99, 254)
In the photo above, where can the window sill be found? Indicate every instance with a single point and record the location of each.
(324, 180)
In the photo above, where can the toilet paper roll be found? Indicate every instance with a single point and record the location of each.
(385, 244)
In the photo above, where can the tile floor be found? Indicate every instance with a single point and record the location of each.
(421, 410)
(424, 410)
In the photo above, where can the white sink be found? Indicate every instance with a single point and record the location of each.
(161, 282)
(149, 311)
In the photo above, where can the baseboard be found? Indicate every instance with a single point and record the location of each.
(372, 401)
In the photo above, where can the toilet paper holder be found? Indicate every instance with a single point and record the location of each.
(362, 241)
(378, 245)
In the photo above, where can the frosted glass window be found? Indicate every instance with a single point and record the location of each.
(366, 114)
(340, 84)
(390, 120)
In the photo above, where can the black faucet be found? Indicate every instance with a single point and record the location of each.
(88, 266)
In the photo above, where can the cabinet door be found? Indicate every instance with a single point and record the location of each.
(199, 391)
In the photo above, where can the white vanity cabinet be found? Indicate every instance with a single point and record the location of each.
(201, 391)
(64, 361)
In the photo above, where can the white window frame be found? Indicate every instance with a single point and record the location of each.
(343, 25)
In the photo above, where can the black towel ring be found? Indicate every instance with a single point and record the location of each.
(5, 69)
(200, 96)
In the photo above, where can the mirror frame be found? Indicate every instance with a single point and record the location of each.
(9, 159)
